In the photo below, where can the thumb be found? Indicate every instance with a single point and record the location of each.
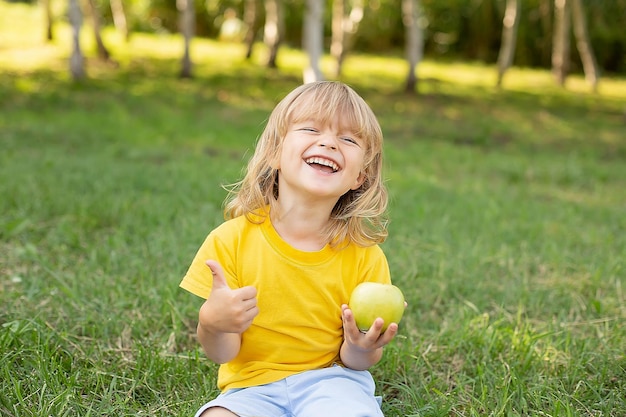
(219, 279)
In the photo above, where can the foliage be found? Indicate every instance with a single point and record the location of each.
(454, 29)
(458, 29)
(508, 228)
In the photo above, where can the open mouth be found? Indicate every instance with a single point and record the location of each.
(322, 164)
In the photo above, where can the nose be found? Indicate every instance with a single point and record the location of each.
(326, 141)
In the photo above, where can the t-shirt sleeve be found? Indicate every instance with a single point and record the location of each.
(199, 280)
(377, 269)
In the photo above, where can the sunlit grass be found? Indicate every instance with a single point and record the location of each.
(27, 50)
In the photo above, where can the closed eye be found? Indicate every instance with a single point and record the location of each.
(350, 139)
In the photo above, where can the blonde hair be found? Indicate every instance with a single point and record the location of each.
(359, 215)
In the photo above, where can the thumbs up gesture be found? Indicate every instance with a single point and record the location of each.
(227, 310)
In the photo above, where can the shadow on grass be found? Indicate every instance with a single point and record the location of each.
(463, 115)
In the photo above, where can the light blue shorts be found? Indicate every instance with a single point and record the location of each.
(328, 392)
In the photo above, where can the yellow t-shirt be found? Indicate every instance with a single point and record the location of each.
(299, 295)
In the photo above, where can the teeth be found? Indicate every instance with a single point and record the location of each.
(322, 161)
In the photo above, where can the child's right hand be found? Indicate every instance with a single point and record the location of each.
(227, 310)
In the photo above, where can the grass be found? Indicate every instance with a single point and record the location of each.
(508, 231)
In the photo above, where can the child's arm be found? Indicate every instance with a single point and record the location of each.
(359, 350)
(224, 316)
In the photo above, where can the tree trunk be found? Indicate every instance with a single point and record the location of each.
(344, 26)
(561, 41)
(481, 25)
(313, 37)
(583, 44)
(273, 29)
(119, 18)
(547, 24)
(250, 20)
(47, 7)
(103, 52)
(77, 67)
(414, 43)
(510, 23)
(187, 28)
(338, 33)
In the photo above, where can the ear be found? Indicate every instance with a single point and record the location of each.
(359, 181)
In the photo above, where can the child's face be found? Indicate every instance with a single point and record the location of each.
(320, 161)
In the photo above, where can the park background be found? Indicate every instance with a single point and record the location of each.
(508, 209)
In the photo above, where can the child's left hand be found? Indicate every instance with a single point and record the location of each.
(371, 340)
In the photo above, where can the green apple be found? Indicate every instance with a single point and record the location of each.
(370, 300)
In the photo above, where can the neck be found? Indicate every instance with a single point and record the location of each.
(302, 226)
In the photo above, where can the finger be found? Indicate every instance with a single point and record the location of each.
(392, 329)
(346, 316)
(346, 313)
(253, 312)
(248, 305)
(246, 293)
(375, 330)
(350, 328)
(219, 279)
(248, 317)
(388, 335)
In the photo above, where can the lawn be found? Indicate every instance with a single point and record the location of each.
(507, 232)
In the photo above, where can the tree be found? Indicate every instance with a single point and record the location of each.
(338, 33)
(561, 41)
(250, 20)
(344, 26)
(312, 39)
(273, 30)
(187, 28)
(414, 42)
(510, 23)
(47, 7)
(567, 12)
(77, 67)
(103, 52)
(119, 18)
(583, 44)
